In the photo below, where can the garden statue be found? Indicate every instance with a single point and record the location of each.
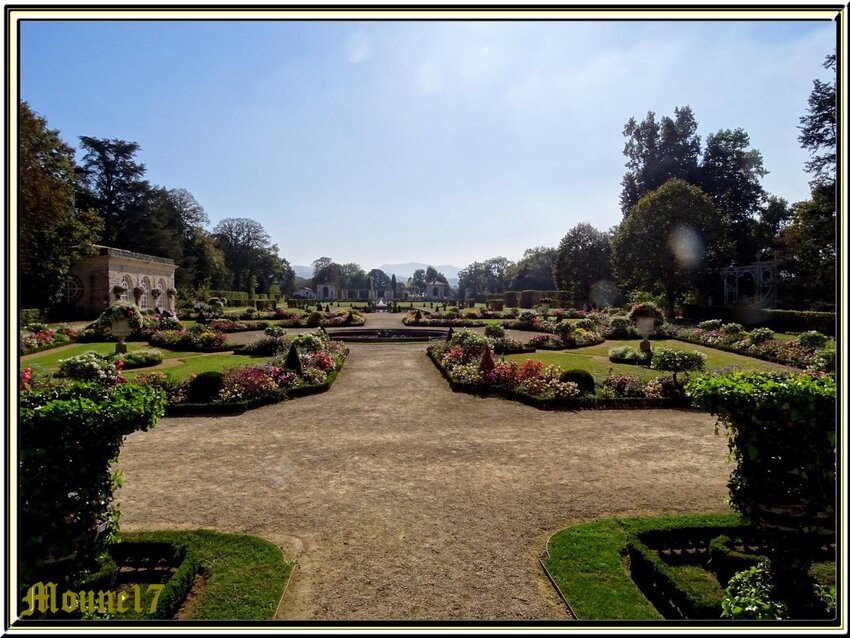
(645, 316)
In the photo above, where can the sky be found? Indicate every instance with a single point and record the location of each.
(396, 141)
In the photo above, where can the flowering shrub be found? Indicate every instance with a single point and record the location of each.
(759, 335)
(268, 346)
(585, 324)
(241, 384)
(175, 390)
(800, 352)
(710, 324)
(90, 366)
(140, 358)
(275, 331)
(625, 353)
(494, 331)
(468, 373)
(527, 316)
(319, 360)
(282, 377)
(308, 342)
(548, 342)
(619, 327)
(623, 385)
(587, 337)
(42, 340)
(505, 345)
(663, 388)
(228, 325)
(731, 329)
(314, 376)
(813, 339)
(196, 338)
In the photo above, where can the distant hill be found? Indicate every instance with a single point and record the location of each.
(403, 271)
(305, 271)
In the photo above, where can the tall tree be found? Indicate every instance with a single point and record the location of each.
(432, 275)
(379, 279)
(246, 246)
(417, 282)
(730, 175)
(393, 284)
(52, 232)
(657, 152)
(817, 130)
(320, 264)
(807, 248)
(497, 269)
(583, 259)
(535, 270)
(354, 277)
(112, 183)
(672, 236)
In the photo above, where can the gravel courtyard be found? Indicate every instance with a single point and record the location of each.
(400, 499)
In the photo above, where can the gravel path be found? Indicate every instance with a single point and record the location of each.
(400, 499)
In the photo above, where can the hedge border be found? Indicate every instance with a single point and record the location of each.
(563, 404)
(731, 350)
(177, 587)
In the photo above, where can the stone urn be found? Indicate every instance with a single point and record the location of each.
(121, 328)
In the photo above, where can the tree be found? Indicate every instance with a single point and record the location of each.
(807, 247)
(111, 182)
(393, 284)
(817, 130)
(319, 265)
(657, 152)
(774, 216)
(53, 233)
(583, 259)
(497, 269)
(379, 279)
(417, 281)
(354, 277)
(730, 176)
(432, 275)
(672, 236)
(534, 271)
(246, 246)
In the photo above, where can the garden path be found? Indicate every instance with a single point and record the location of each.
(400, 499)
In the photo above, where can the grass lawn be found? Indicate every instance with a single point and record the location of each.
(245, 575)
(594, 359)
(188, 363)
(585, 562)
(196, 362)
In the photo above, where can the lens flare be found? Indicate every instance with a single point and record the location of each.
(687, 246)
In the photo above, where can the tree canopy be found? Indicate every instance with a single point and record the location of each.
(583, 259)
(673, 235)
(817, 127)
(53, 232)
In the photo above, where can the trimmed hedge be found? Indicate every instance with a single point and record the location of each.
(659, 582)
(177, 587)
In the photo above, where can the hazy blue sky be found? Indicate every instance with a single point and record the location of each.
(440, 142)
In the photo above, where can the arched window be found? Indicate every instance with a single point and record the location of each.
(145, 298)
(127, 283)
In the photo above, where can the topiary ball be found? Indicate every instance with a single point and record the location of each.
(204, 388)
(582, 378)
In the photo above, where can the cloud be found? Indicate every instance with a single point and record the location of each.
(359, 48)
(430, 78)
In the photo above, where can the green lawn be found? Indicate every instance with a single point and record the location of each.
(594, 359)
(195, 363)
(245, 575)
(189, 362)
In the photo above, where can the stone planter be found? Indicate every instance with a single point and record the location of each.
(120, 328)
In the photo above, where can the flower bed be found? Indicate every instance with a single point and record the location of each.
(46, 339)
(468, 364)
(308, 365)
(228, 325)
(806, 351)
(196, 339)
(451, 320)
(316, 318)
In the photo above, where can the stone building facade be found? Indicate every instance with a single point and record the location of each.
(95, 282)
